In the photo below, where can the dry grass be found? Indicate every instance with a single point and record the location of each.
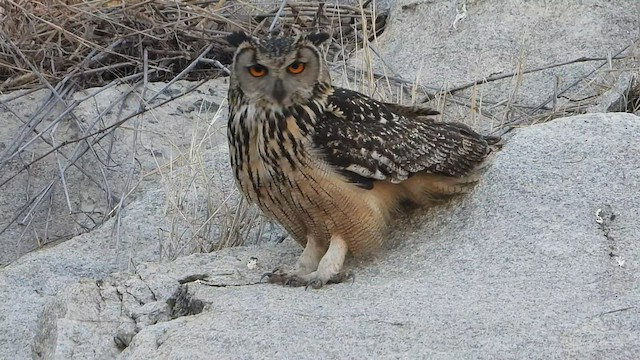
(92, 43)
(51, 51)
(467, 103)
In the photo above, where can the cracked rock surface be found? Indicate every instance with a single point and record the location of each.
(98, 319)
(540, 260)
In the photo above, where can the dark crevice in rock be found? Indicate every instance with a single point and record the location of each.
(183, 304)
(153, 294)
(180, 303)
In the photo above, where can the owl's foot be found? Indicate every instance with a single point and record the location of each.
(328, 269)
(306, 264)
(277, 276)
(338, 278)
(292, 279)
(330, 266)
(312, 280)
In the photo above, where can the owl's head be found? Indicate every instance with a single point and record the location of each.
(278, 71)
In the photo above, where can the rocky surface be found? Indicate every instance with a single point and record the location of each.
(447, 44)
(539, 261)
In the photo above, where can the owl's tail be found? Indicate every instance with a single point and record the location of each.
(421, 190)
(424, 189)
(427, 189)
(431, 189)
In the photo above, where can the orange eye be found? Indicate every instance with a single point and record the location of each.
(257, 71)
(296, 68)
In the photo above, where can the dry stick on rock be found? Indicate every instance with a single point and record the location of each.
(53, 126)
(77, 150)
(43, 111)
(70, 107)
(39, 115)
(116, 124)
(18, 94)
(59, 99)
(431, 91)
(541, 68)
(606, 61)
(518, 77)
(143, 104)
(102, 132)
(513, 124)
(184, 72)
(217, 64)
(136, 130)
(39, 135)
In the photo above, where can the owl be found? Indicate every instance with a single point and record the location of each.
(331, 165)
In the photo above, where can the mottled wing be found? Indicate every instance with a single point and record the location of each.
(367, 139)
(410, 110)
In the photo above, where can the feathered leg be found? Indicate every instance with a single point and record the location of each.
(330, 267)
(306, 264)
(326, 266)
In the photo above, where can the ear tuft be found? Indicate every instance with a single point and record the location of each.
(318, 38)
(236, 38)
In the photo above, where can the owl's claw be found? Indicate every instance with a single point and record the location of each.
(266, 275)
(293, 280)
(273, 277)
(283, 278)
(338, 278)
(343, 276)
(278, 276)
(313, 283)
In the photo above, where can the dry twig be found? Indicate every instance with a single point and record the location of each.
(63, 47)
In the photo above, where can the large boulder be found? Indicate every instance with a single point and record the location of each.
(29, 283)
(443, 45)
(456, 44)
(540, 260)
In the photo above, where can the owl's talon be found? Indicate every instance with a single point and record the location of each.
(314, 283)
(338, 278)
(342, 276)
(294, 281)
(266, 275)
(274, 277)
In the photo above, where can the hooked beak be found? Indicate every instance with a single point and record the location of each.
(278, 91)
